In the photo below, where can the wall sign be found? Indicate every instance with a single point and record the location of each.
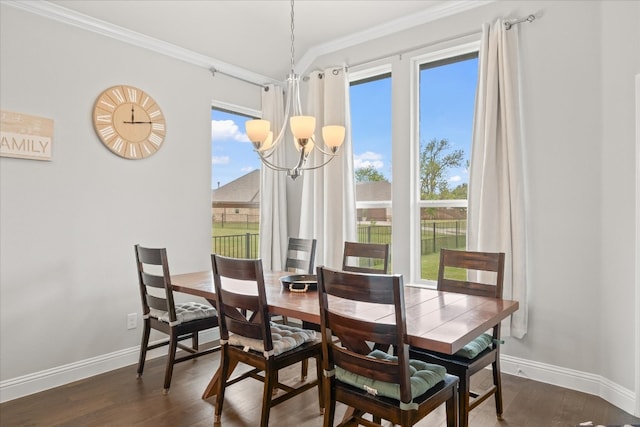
(25, 137)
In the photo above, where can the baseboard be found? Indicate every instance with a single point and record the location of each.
(569, 378)
(39, 381)
(550, 374)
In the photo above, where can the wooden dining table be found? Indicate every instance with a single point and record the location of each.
(436, 320)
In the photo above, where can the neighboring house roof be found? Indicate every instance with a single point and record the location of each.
(246, 189)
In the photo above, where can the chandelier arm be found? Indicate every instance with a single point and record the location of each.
(310, 168)
(271, 165)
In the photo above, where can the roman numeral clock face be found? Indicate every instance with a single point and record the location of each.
(129, 122)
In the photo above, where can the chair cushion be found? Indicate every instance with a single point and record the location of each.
(284, 338)
(185, 312)
(423, 377)
(475, 347)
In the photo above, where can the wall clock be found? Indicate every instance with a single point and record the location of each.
(129, 122)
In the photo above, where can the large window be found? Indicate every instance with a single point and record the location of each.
(446, 102)
(370, 97)
(235, 185)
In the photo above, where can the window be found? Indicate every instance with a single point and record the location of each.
(235, 184)
(370, 98)
(446, 100)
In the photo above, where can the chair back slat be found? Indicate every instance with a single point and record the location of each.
(301, 255)
(366, 257)
(244, 310)
(153, 280)
(485, 272)
(355, 332)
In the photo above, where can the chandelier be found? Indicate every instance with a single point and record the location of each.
(302, 128)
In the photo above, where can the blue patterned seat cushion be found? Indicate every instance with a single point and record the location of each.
(475, 347)
(423, 377)
(185, 312)
(284, 338)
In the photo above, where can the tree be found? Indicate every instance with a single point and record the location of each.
(436, 158)
(369, 174)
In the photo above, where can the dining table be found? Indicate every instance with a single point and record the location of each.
(436, 320)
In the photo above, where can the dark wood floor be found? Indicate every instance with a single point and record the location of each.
(118, 398)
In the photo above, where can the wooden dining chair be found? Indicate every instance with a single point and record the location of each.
(366, 257)
(160, 312)
(388, 387)
(472, 273)
(301, 255)
(248, 336)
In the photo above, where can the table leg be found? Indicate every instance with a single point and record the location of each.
(214, 384)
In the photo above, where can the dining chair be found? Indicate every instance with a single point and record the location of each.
(301, 256)
(365, 257)
(481, 274)
(248, 336)
(160, 312)
(387, 387)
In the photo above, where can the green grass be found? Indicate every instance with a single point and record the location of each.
(233, 228)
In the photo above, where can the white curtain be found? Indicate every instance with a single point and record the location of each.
(328, 211)
(496, 186)
(273, 195)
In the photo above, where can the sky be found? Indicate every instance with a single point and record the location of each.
(447, 95)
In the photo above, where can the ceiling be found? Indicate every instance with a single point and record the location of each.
(256, 35)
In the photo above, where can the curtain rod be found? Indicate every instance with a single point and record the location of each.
(509, 24)
(214, 71)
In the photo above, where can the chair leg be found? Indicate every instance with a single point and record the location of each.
(463, 400)
(320, 383)
(304, 369)
(329, 402)
(270, 380)
(498, 383)
(194, 341)
(173, 346)
(143, 346)
(452, 407)
(222, 384)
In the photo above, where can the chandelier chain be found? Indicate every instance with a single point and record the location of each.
(292, 40)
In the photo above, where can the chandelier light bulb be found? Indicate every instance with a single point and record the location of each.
(302, 127)
(257, 130)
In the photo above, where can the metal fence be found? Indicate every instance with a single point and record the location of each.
(433, 236)
(237, 246)
(442, 234)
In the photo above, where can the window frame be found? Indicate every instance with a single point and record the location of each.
(433, 54)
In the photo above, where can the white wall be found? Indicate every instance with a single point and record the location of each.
(68, 226)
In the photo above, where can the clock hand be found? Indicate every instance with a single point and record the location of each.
(132, 119)
(137, 123)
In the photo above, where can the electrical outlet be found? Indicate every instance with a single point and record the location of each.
(132, 320)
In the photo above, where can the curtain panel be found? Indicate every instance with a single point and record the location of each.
(273, 194)
(496, 210)
(328, 207)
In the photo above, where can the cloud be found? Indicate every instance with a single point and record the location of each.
(366, 159)
(247, 169)
(227, 129)
(455, 178)
(220, 160)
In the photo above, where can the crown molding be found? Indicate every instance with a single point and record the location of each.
(88, 23)
(439, 11)
(85, 22)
